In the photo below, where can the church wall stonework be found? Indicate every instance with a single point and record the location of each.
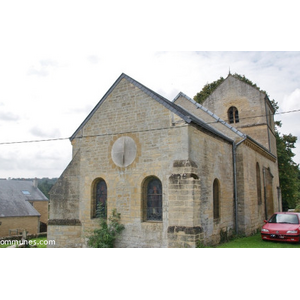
(253, 108)
(251, 214)
(129, 112)
(214, 159)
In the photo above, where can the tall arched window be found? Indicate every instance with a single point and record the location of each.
(99, 205)
(233, 115)
(258, 184)
(216, 199)
(152, 202)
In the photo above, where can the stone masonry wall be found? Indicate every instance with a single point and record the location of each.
(185, 158)
(64, 236)
(30, 224)
(213, 157)
(128, 111)
(250, 213)
(252, 107)
(42, 208)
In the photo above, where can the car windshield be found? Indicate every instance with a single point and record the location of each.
(284, 218)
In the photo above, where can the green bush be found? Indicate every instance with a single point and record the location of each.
(105, 236)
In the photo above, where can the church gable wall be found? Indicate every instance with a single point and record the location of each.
(251, 106)
(129, 112)
(248, 100)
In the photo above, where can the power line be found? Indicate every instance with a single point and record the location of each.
(261, 116)
(107, 134)
(33, 141)
(287, 112)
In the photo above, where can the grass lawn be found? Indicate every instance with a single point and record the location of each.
(256, 241)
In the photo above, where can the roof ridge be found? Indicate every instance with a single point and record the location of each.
(167, 103)
(187, 116)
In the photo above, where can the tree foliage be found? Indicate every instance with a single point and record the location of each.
(207, 90)
(210, 87)
(45, 185)
(288, 170)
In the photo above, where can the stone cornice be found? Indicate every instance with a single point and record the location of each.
(260, 149)
(64, 222)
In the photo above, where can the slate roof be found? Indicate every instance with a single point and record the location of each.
(15, 196)
(181, 112)
(214, 116)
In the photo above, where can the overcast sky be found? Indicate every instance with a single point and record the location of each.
(58, 59)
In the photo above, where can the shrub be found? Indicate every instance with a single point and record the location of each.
(105, 236)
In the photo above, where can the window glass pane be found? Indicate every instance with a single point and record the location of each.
(236, 116)
(154, 200)
(284, 218)
(101, 198)
(258, 184)
(231, 115)
(216, 199)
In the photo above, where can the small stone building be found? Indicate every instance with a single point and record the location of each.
(178, 172)
(22, 207)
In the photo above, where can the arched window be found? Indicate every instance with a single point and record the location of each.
(258, 184)
(99, 205)
(216, 199)
(152, 202)
(233, 115)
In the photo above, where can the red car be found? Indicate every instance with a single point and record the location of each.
(282, 226)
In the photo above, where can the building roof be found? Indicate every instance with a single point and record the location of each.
(181, 112)
(211, 114)
(15, 196)
(238, 133)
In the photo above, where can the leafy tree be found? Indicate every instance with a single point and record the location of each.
(207, 90)
(45, 185)
(288, 170)
(210, 87)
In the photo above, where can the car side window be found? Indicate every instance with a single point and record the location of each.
(273, 219)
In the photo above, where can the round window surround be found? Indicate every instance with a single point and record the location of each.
(123, 151)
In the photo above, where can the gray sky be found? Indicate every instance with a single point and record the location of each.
(59, 59)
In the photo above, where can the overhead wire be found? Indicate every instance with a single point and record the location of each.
(145, 130)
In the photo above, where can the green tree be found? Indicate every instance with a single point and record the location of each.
(45, 185)
(207, 90)
(288, 169)
(210, 87)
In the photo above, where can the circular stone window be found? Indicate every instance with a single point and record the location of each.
(123, 151)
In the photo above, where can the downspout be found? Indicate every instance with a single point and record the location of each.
(268, 125)
(234, 146)
(265, 193)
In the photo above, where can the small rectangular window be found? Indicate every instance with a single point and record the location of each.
(25, 192)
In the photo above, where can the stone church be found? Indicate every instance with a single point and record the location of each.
(178, 172)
